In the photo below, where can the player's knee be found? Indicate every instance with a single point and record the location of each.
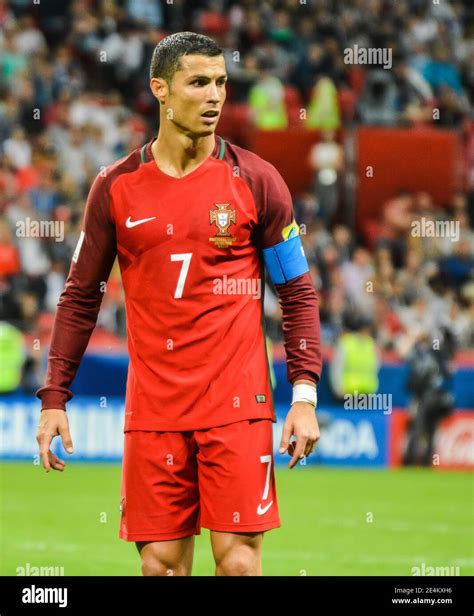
(239, 561)
(156, 567)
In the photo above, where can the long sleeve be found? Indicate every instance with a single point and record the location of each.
(79, 303)
(297, 297)
(301, 328)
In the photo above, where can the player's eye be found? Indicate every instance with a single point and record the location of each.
(203, 82)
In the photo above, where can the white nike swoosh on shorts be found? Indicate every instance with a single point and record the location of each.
(261, 510)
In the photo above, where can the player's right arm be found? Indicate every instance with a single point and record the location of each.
(76, 317)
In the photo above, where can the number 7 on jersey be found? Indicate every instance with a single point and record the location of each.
(185, 257)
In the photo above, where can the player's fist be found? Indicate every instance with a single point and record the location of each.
(53, 422)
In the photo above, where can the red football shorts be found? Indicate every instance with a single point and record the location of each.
(221, 478)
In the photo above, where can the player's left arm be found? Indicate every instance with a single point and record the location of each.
(288, 269)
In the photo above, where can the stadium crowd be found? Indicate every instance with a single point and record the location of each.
(74, 97)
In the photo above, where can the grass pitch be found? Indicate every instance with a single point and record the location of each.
(334, 522)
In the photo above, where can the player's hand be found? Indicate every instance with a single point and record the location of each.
(300, 422)
(53, 422)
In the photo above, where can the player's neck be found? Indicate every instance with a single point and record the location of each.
(177, 154)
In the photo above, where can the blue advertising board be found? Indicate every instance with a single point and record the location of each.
(354, 438)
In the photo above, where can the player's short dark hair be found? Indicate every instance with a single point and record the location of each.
(167, 54)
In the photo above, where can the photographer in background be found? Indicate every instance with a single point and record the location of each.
(427, 381)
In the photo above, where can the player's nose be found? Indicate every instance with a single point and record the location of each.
(213, 93)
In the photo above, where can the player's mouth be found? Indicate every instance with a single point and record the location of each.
(210, 116)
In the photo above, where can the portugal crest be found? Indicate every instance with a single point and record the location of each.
(222, 217)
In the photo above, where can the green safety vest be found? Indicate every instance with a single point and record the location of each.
(11, 357)
(359, 365)
(323, 109)
(270, 111)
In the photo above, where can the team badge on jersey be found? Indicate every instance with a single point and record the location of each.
(223, 217)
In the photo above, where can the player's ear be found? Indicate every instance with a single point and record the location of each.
(159, 87)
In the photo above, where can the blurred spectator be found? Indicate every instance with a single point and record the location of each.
(147, 13)
(18, 149)
(327, 159)
(356, 274)
(29, 40)
(323, 109)
(415, 98)
(45, 197)
(267, 100)
(439, 71)
(432, 401)
(355, 363)
(459, 267)
(11, 357)
(452, 109)
(378, 102)
(306, 208)
(242, 75)
(12, 62)
(395, 224)
(9, 256)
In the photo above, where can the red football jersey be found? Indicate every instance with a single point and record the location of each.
(190, 255)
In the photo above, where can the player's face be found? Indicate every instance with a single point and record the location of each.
(197, 94)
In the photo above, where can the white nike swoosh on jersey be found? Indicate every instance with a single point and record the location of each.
(261, 510)
(129, 224)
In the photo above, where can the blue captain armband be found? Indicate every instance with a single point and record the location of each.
(285, 260)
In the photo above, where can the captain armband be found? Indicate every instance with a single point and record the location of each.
(285, 260)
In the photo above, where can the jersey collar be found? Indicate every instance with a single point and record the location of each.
(218, 151)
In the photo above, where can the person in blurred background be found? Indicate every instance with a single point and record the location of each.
(323, 108)
(355, 364)
(266, 99)
(428, 371)
(12, 357)
(327, 159)
(378, 102)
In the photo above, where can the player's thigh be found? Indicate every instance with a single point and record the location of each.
(160, 492)
(236, 477)
(173, 557)
(245, 546)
